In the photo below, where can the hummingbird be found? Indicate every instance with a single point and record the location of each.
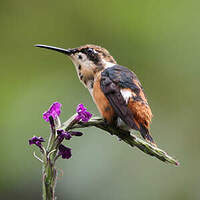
(116, 90)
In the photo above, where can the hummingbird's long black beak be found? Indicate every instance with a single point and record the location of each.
(64, 51)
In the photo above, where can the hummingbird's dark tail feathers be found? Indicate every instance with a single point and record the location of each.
(146, 135)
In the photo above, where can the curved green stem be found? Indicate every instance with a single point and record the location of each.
(128, 138)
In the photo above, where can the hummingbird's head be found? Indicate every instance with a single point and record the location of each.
(88, 60)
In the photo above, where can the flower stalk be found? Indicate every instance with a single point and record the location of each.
(55, 148)
(49, 180)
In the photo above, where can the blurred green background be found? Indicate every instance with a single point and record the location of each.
(159, 40)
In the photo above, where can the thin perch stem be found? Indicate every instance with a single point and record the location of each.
(128, 138)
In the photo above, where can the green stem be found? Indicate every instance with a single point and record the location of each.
(128, 138)
(49, 180)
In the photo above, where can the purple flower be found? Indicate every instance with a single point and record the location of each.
(63, 135)
(75, 133)
(37, 141)
(53, 111)
(83, 114)
(64, 151)
(67, 135)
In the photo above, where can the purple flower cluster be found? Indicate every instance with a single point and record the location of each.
(83, 114)
(67, 135)
(64, 151)
(53, 111)
(49, 116)
(37, 141)
(63, 135)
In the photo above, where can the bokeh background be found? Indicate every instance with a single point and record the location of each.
(159, 40)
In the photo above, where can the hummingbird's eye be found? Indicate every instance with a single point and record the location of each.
(91, 54)
(90, 50)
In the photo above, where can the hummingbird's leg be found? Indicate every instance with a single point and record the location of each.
(112, 124)
(106, 122)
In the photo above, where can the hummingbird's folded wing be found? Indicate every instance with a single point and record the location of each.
(125, 94)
